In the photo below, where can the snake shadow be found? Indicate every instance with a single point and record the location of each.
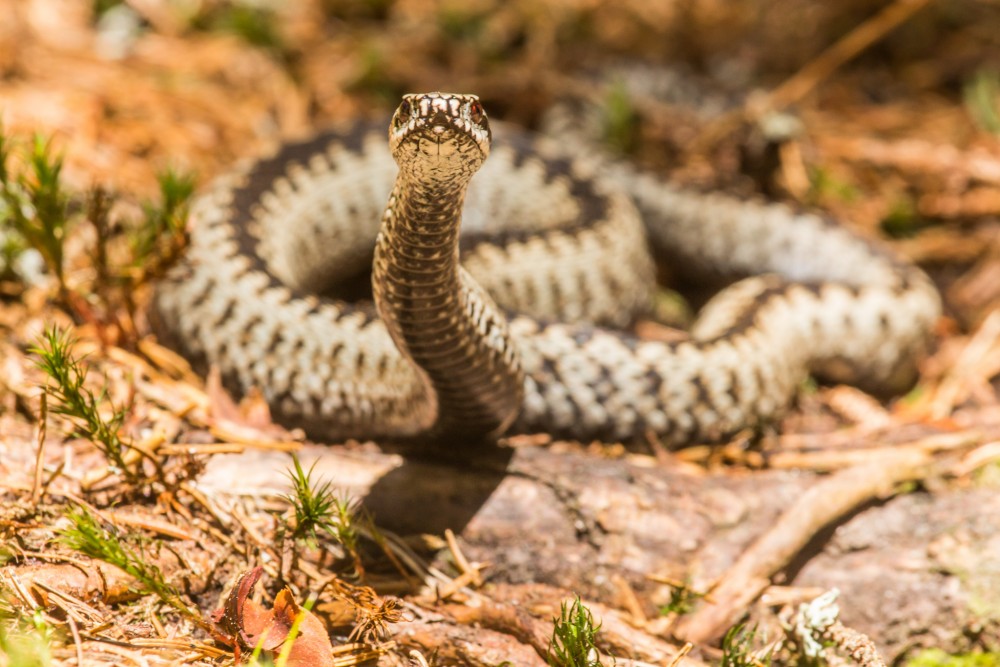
(438, 487)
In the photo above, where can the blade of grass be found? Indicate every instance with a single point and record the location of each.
(93, 537)
(71, 398)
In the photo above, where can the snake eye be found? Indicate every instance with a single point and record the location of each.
(476, 113)
(403, 114)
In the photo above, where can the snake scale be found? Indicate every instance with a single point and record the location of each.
(501, 301)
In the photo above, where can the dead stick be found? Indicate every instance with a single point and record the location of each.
(802, 82)
(808, 77)
(43, 417)
(829, 500)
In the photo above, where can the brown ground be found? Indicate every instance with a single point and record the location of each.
(894, 503)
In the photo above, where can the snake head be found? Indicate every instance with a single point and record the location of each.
(441, 133)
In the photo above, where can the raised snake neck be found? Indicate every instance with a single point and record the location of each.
(548, 237)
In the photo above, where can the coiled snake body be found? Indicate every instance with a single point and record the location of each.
(546, 238)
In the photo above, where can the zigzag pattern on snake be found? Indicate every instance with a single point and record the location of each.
(527, 335)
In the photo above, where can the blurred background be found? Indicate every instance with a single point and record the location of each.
(885, 113)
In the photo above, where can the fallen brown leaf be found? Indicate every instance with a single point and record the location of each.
(250, 625)
(249, 421)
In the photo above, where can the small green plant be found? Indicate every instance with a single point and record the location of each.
(102, 6)
(25, 641)
(318, 508)
(33, 206)
(826, 185)
(161, 232)
(344, 528)
(253, 22)
(36, 214)
(257, 660)
(152, 243)
(255, 25)
(314, 504)
(89, 535)
(808, 386)
(982, 99)
(620, 120)
(462, 23)
(373, 76)
(682, 599)
(903, 220)
(738, 651)
(70, 397)
(574, 638)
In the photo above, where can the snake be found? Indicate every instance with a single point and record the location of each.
(413, 289)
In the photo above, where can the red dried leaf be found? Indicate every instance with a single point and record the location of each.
(312, 647)
(249, 625)
(242, 619)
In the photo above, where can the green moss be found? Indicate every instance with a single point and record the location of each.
(937, 658)
(826, 186)
(34, 208)
(902, 220)
(163, 223)
(25, 640)
(460, 24)
(913, 396)
(574, 638)
(101, 6)
(682, 600)
(374, 77)
(671, 308)
(981, 95)
(254, 25)
(988, 476)
(357, 9)
(619, 120)
(738, 648)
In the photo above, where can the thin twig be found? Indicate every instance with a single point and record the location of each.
(809, 76)
(76, 639)
(681, 654)
(976, 364)
(43, 418)
(844, 49)
(825, 502)
(461, 562)
(840, 453)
